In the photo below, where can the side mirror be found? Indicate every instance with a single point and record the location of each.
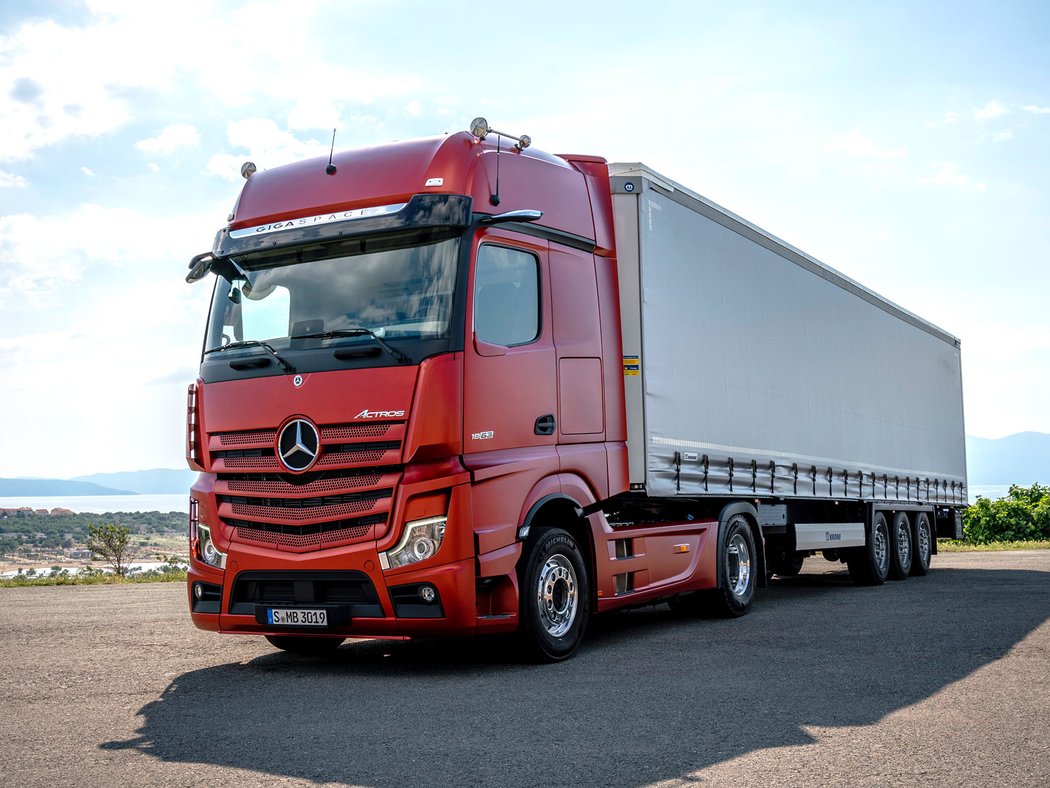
(199, 267)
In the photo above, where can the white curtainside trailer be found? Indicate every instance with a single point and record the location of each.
(753, 370)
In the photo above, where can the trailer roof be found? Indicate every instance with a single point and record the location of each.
(738, 224)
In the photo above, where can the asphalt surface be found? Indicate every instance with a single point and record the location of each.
(942, 680)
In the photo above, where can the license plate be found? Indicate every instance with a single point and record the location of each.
(296, 618)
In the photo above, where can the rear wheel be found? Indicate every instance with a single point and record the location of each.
(870, 565)
(310, 647)
(555, 596)
(922, 544)
(900, 547)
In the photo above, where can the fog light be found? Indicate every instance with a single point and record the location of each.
(427, 594)
(198, 590)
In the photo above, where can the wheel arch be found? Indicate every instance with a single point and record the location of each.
(560, 505)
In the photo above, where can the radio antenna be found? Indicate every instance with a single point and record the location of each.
(330, 169)
(494, 198)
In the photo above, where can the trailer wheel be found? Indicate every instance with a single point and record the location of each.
(310, 647)
(870, 565)
(900, 547)
(555, 596)
(922, 544)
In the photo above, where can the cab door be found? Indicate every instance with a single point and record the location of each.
(510, 375)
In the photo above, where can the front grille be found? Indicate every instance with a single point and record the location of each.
(304, 538)
(264, 437)
(353, 590)
(274, 485)
(345, 498)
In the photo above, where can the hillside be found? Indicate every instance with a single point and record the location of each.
(158, 481)
(152, 482)
(22, 488)
(1023, 459)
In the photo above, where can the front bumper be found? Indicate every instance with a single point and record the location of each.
(363, 602)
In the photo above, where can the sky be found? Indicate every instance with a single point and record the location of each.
(905, 144)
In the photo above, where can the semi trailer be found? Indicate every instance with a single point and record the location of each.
(460, 386)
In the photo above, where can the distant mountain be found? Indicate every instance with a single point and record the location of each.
(1022, 459)
(154, 482)
(21, 488)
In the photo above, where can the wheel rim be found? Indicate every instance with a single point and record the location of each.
(924, 541)
(904, 543)
(881, 546)
(557, 595)
(739, 569)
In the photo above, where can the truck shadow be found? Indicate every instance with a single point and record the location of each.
(650, 696)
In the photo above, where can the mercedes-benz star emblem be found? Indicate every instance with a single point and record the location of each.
(298, 445)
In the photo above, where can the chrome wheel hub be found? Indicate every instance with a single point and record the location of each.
(739, 568)
(881, 546)
(904, 543)
(557, 595)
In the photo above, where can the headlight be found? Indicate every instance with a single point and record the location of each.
(421, 540)
(206, 549)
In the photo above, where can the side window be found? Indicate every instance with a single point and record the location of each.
(506, 296)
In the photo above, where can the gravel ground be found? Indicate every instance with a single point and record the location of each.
(943, 680)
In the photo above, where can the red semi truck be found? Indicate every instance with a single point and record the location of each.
(459, 386)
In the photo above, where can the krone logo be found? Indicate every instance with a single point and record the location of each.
(298, 445)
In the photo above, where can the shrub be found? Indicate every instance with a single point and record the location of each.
(1024, 514)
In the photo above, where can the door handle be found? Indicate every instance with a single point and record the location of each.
(545, 425)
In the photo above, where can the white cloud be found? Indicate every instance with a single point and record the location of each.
(1034, 110)
(990, 111)
(87, 171)
(996, 136)
(41, 254)
(170, 139)
(946, 173)
(96, 295)
(9, 180)
(855, 143)
(265, 143)
(141, 46)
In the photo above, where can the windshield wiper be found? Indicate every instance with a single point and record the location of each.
(255, 343)
(357, 332)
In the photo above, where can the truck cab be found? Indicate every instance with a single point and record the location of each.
(412, 360)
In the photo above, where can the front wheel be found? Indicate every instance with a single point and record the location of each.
(555, 596)
(738, 565)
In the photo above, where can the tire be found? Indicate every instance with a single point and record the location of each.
(900, 547)
(555, 596)
(737, 570)
(310, 647)
(870, 565)
(922, 544)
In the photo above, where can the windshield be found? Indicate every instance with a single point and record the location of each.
(395, 291)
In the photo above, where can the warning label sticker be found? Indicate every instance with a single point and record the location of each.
(632, 366)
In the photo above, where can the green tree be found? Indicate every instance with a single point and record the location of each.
(113, 544)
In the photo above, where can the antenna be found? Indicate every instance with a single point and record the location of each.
(494, 198)
(330, 169)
